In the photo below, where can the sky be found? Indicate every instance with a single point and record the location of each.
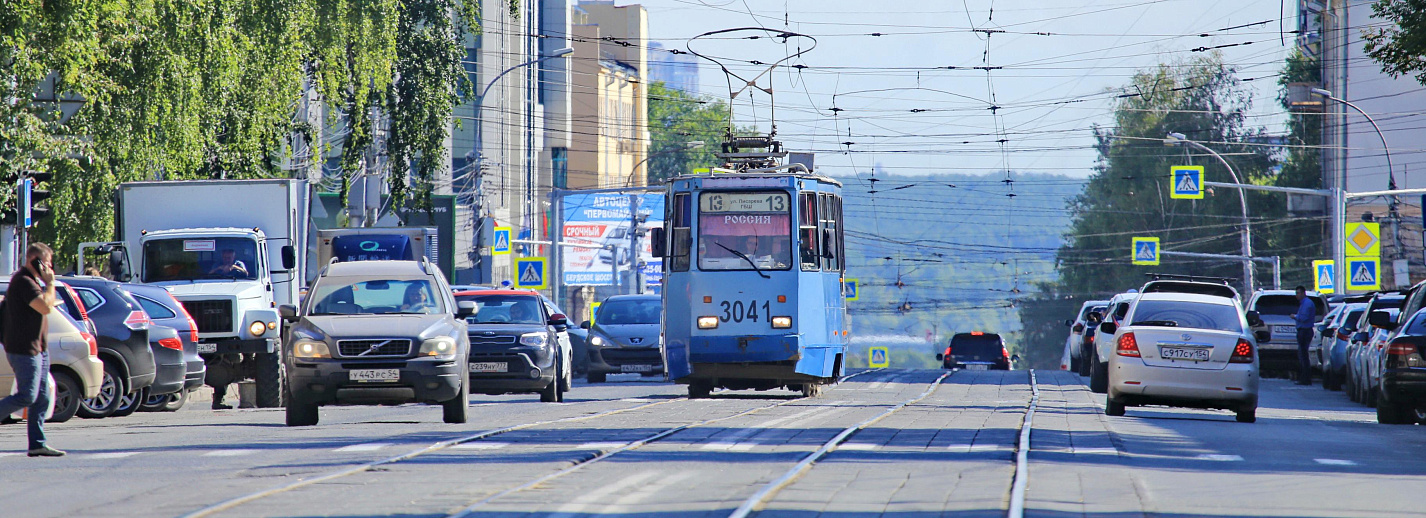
(1053, 73)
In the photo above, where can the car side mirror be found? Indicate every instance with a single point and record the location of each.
(289, 257)
(288, 312)
(1254, 319)
(658, 241)
(465, 308)
(1263, 336)
(1381, 319)
(940, 357)
(1078, 328)
(1361, 336)
(1108, 328)
(559, 320)
(1014, 357)
(584, 325)
(1069, 323)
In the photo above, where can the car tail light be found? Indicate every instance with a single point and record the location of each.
(171, 343)
(1401, 349)
(948, 351)
(192, 324)
(93, 344)
(1242, 353)
(137, 320)
(1004, 352)
(1128, 346)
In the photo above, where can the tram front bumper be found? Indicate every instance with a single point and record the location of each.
(744, 348)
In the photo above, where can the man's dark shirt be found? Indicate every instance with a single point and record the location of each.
(25, 328)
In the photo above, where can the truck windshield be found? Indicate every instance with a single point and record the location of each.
(740, 230)
(188, 259)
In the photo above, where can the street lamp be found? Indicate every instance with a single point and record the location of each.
(1390, 175)
(1175, 139)
(687, 146)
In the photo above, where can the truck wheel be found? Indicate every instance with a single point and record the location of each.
(67, 391)
(269, 380)
(454, 411)
(111, 387)
(299, 413)
(129, 403)
(1098, 376)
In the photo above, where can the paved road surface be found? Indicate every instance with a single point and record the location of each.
(639, 449)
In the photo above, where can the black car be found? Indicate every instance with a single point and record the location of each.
(515, 345)
(165, 310)
(1402, 396)
(123, 335)
(976, 351)
(625, 337)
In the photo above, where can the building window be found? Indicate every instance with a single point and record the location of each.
(559, 167)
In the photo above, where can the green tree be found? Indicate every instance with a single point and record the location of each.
(675, 120)
(1399, 47)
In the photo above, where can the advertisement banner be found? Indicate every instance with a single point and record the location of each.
(602, 220)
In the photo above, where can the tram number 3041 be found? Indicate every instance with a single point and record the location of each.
(739, 311)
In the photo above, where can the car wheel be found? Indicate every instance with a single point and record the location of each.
(1098, 376)
(454, 411)
(566, 378)
(811, 389)
(299, 413)
(1113, 408)
(1247, 414)
(1369, 397)
(67, 391)
(1074, 364)
(111, 387)
(129, 403)
(176, 401)
(596, 377)
(699, 389)
(1084, 365)
(1388, 412)
(154, 403)
(551, 392)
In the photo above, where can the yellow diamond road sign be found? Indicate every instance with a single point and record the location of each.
(1363, 239)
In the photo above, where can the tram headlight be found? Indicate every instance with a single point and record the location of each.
(781, 322)
(708, 322)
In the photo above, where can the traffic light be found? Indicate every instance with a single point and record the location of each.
(24, 209)
(37, 195)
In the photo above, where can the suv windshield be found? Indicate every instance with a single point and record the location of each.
(1195, 315)
(187, 259)
(348, 296)
(504, 309)
(629, 311)
(1284, 305)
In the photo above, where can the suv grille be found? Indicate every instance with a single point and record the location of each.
(212, 316)
(481, 339)
(384, 347)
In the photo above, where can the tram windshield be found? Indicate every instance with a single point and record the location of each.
(743, 230)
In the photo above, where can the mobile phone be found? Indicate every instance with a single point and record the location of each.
(36, 264)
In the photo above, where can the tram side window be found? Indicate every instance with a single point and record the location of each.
(841, 231)
(831, 256)
(807, 230)
(680, 239)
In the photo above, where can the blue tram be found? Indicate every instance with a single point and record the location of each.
(753, 275)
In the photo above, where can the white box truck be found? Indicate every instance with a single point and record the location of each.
(373, 244)
(230, 251)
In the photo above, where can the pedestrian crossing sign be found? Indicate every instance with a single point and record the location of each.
(878, 359)
(1146, 251)
(1187, 182)
(530, 273)
(1326, 274)
(1363, 239)
(1363, 273)
(501, 244)
(851, 289)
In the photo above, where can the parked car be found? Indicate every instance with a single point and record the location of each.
(1277, 309)
(976, 351)
(515, 345)
(165, 310)
(1371, 353)
(74, 363)
(1320, 347)
(1401, 398)
(625, 337)
(1103, 343)
(1359, 354)
(1336, 335)
(372, 333)
(1185, 350)
(123, 336)
(1074, 343)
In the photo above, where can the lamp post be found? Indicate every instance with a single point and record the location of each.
(1174, 139)
(687, 146)
(1393, 201)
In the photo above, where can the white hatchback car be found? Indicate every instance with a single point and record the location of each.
(1184, 350)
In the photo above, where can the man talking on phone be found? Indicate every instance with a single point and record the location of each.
(28, 303)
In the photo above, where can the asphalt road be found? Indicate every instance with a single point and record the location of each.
(634, 448)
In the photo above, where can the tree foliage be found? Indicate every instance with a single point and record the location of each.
(1399, 47)
(184, 89)
(676, 119)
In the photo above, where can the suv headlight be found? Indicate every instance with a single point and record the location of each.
(310, 349)
(440, 347)
(534, 339)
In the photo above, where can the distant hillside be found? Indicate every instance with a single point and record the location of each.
(948, 253)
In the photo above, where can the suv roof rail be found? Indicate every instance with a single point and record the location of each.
(1185, 277)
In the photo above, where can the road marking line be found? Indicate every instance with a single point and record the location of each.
(1335, 462)
(728, 442)
(645, 492)
(229, 453)
(601, 445)
(1219, 457)
(1022, 454)
(480, 446)
(577, 505)
(1096, 451)
(113, 455)
(370, 446)
(967, 448)
(859, 446)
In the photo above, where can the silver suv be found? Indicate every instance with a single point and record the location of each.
(373, 333)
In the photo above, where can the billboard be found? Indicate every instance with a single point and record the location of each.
(601, 220)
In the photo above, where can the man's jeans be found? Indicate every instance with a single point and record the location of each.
(32, 390)
(1304, 364)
